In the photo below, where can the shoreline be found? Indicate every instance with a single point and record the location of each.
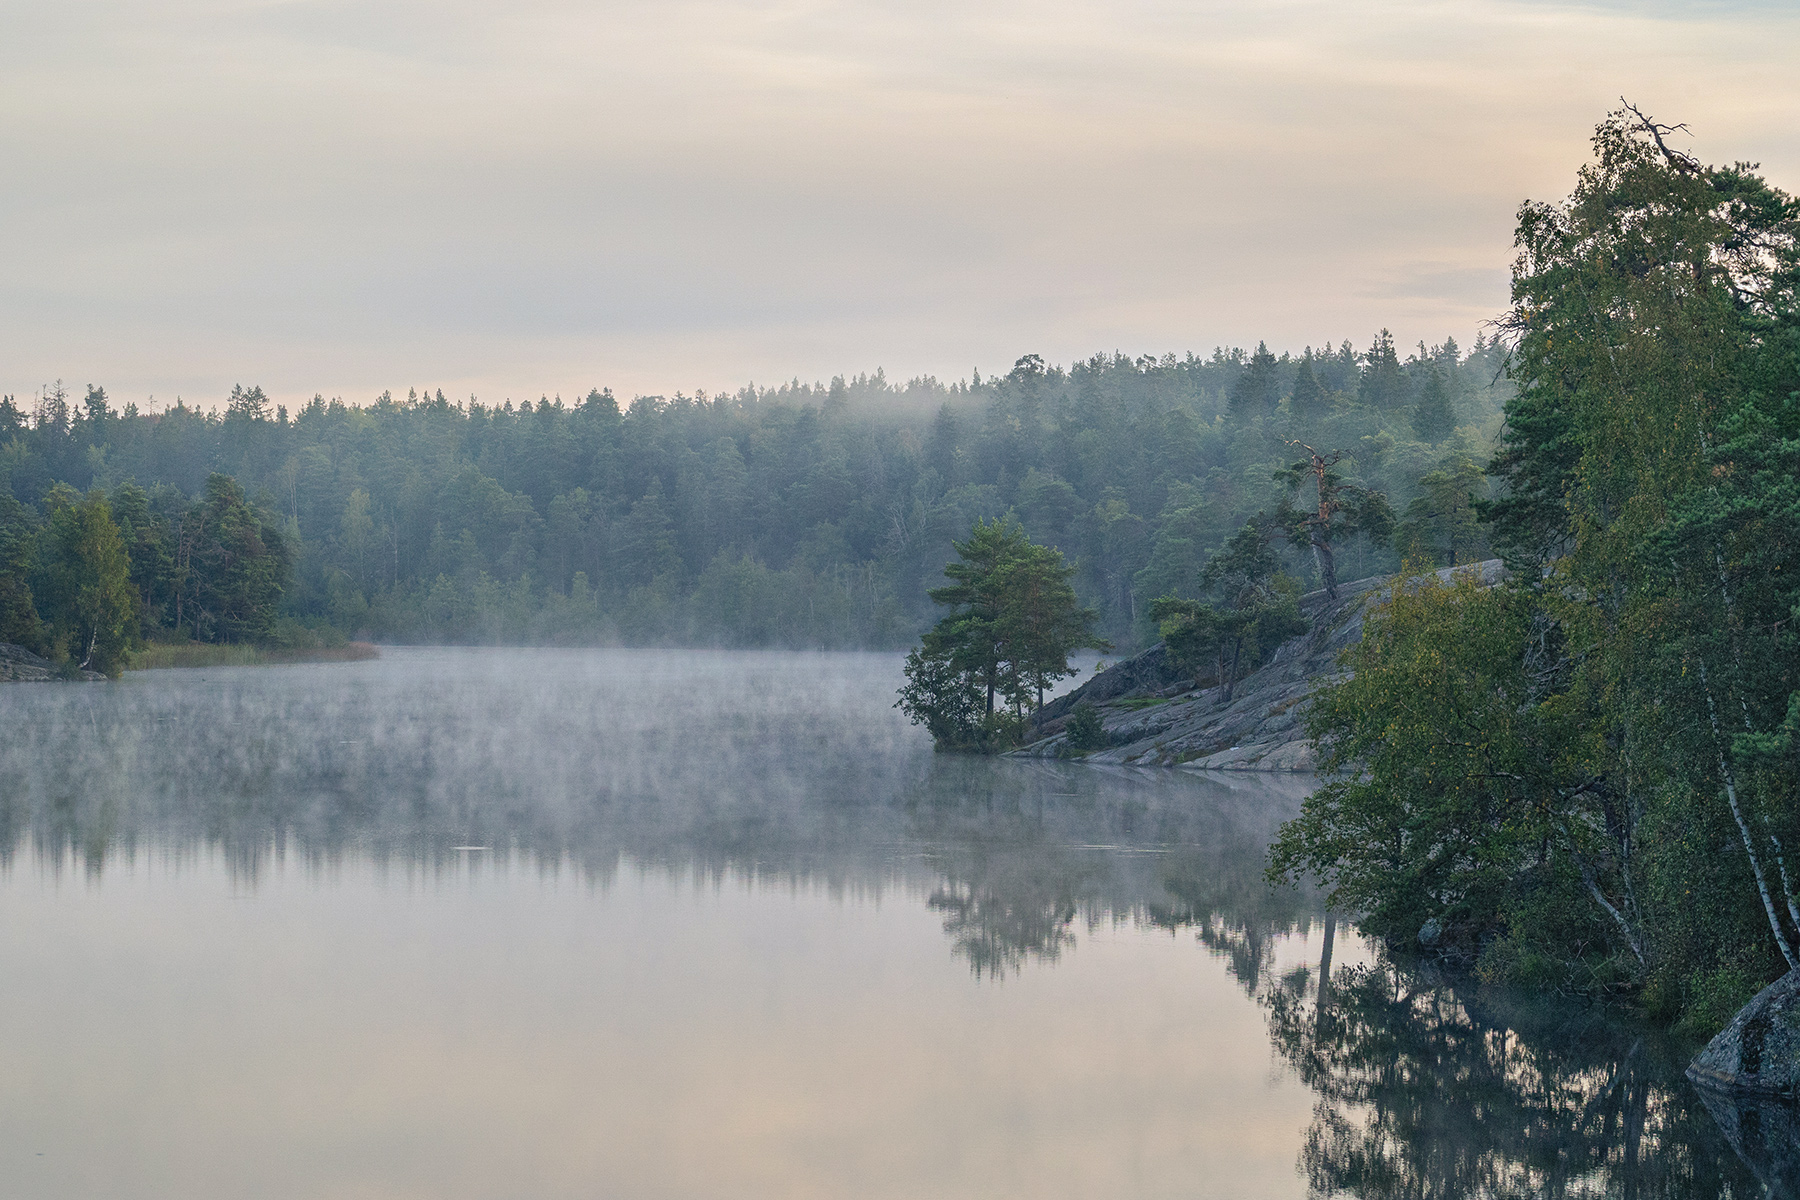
(166, 656)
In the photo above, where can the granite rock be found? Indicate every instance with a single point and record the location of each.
(1153, 715)
(1759, 1052)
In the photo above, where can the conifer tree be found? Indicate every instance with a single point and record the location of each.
(1309, 400)
(1334, 509)
(1255, 392)
(1383, 385)
(1432, 419)
(1257, 609)
(19, 624)
(232, 567)
(1013, 622)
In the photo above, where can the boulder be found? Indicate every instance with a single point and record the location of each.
(1759, 1052)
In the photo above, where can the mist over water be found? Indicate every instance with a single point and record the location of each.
(647, 923)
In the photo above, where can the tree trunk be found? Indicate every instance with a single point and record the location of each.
(1731, 800)
(1325, 958)
(1237, 653)
(1327, 566)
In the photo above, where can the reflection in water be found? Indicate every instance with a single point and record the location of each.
(1426, 1089)
(794, 771)
(773, 766)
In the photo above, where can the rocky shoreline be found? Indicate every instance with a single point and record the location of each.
(1154, 715)
(19, 665)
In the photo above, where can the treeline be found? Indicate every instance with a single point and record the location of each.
(1588, 778)
(801, 515)
(101, 575)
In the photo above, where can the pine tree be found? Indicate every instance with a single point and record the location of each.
(146, 537)
(1310, 399)
(232, 567)
(1013, 622)
(1334, 510)
(1383, 385)
(1432, 419)
(1255, 392)
(19, 624)
(1257, 608)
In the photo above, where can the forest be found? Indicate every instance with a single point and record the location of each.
(803, 515)
(1585, 779)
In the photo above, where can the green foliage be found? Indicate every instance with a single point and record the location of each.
(1309, 400)
(1587, 776)
(1382, 385)
(84, 582)
(1454, 775)
(19, 623)
(1013, 621)
(1443, 525)
(1255, 392)
(146, 534)
(1193, 633)
(1084, 731)
(941, 696)
(1432, 418)
(1258, 609)
(1713, 996)
(950, 703)
(231, 568)
(828, 510)
(103, 574)
(1333, 510)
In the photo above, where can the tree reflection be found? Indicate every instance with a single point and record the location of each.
(1424, 1090)
(1027, 855)
(1219, 892)
(996, 931)
(1428, 1091)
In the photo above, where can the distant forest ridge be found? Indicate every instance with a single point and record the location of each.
(795, 516)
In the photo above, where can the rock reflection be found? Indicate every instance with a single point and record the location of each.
(1431, 1090)
(1029, 854)
(1764, 1132)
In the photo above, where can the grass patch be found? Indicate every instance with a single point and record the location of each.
(163, 655)
(1137, 702)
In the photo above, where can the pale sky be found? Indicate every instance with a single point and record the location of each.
(543, 196)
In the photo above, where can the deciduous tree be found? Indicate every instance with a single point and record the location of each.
(86, 595)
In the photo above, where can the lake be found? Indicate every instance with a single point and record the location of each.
(484, 923)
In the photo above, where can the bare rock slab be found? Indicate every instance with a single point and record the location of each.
(19, 665)
(1759, 1052)
(1154, 715)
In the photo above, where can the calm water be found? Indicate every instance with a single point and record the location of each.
(643, 924)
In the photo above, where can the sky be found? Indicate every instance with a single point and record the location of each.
(539, 197)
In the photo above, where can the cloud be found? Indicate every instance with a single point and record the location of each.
(546, 195)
